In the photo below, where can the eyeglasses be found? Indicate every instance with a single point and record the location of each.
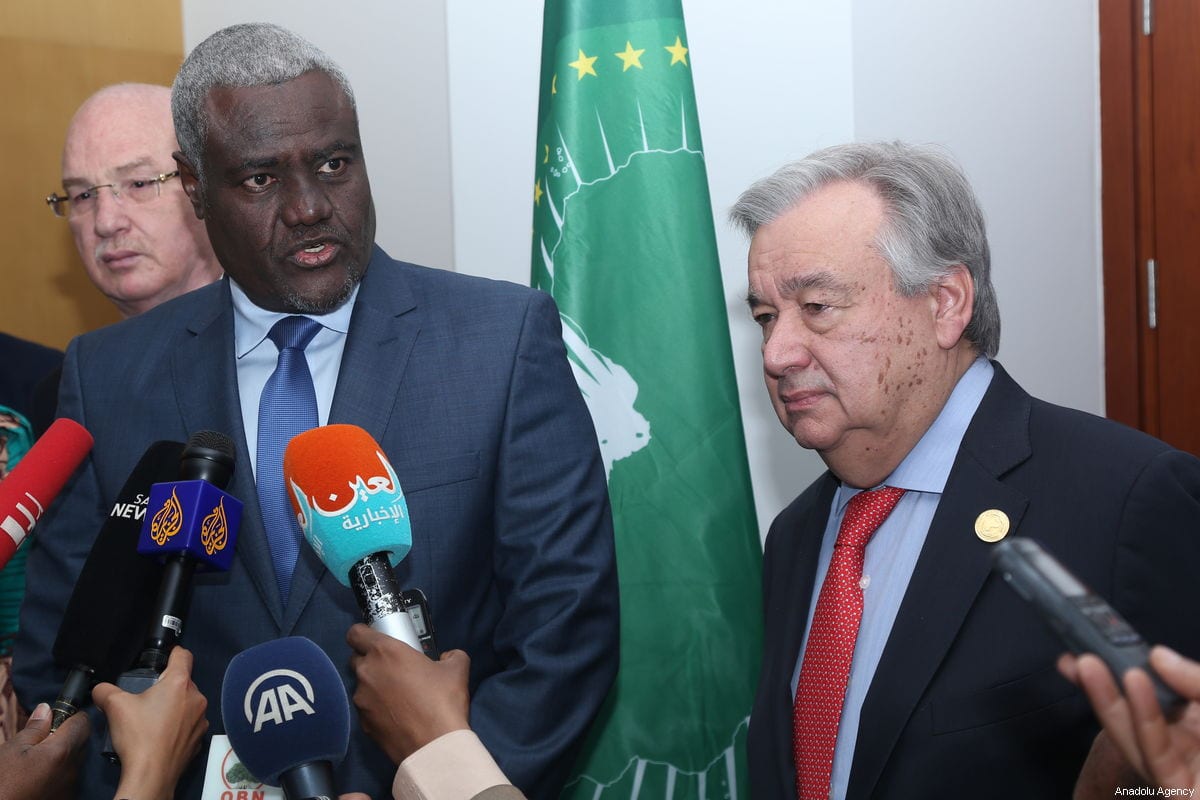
(83, 203)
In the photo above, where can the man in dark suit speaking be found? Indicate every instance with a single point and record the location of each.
(464, 382)
(896, 665)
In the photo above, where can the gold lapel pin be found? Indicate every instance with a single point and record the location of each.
(991, 525)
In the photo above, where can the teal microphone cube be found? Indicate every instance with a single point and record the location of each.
(192, 517)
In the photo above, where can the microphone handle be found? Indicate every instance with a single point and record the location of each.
(76, 691)
(166, 626)
(378, 597)
(311, 781)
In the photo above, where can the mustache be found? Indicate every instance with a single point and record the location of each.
(796, 382)
(113, 246)
(321, 232)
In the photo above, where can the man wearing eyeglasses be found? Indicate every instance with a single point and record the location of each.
(139, 240)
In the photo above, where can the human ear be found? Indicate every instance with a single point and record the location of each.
(954, 297)
(191, 184)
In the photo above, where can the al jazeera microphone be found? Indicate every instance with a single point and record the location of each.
(348, 501)
(99, 636)
(34, 483)
(190, 522)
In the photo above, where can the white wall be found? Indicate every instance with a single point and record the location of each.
(447, 95)
(1012, 88)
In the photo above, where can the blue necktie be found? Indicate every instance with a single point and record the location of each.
(288, 406)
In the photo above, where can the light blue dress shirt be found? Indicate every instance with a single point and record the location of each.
(257, 356)
(892, 552)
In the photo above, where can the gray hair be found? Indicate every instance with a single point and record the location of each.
(249, 54)
(932, 220)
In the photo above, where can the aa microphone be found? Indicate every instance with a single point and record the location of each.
(36, 481)
(189, 522)
(348, 501)
(96, 640)
(286, 714)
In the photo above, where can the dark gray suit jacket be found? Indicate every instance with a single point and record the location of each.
(966, 701)
(465, 384)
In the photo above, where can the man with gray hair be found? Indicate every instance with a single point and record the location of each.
(895, 664)
(463, 382)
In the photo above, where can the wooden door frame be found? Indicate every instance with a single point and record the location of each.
(1125, 150)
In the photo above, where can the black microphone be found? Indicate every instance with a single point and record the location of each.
(190, 522)
(285, 710)
(96, 641)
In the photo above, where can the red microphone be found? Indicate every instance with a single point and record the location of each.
(36, 481)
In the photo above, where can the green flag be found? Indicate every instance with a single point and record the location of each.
(623, 238)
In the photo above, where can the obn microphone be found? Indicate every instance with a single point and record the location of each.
(96, 640)
(285, 711)
(190, 522)
(348, 501)
(37, 479)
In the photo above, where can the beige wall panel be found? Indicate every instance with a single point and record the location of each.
(55, 55)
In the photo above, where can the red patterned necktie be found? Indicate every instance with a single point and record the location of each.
(826, 666)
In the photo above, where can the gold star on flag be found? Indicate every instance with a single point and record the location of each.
(678, 53)
(537, 192)
(584, 65)
(631, 57)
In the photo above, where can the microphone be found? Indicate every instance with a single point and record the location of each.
(348, 501)
(95, 641)
(190, 522)
(286, 714)
(37, 479)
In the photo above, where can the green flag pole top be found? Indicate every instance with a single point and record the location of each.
(623, 238)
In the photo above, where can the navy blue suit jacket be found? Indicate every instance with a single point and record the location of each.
(966, 701)
(465, 384)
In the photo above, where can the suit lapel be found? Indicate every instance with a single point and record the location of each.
(208, 405)
(953, 565)
(383, 330)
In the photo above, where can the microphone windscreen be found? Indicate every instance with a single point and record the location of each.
(283, 705)
(346, 496)
(37, 479)
(116, 585)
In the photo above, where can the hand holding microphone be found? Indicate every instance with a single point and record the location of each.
(35, 765)
(98, 637)
(404, 699)
(1162, 747)
(189, 523)
(155, 733)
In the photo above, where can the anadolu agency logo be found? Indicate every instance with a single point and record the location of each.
(277, 697)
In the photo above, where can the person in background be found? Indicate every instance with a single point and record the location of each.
(22, 365)
(137, 236)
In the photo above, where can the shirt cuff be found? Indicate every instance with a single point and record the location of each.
(454, 766)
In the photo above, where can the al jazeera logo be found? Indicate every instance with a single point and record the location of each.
(214, 529)
(168, 521)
